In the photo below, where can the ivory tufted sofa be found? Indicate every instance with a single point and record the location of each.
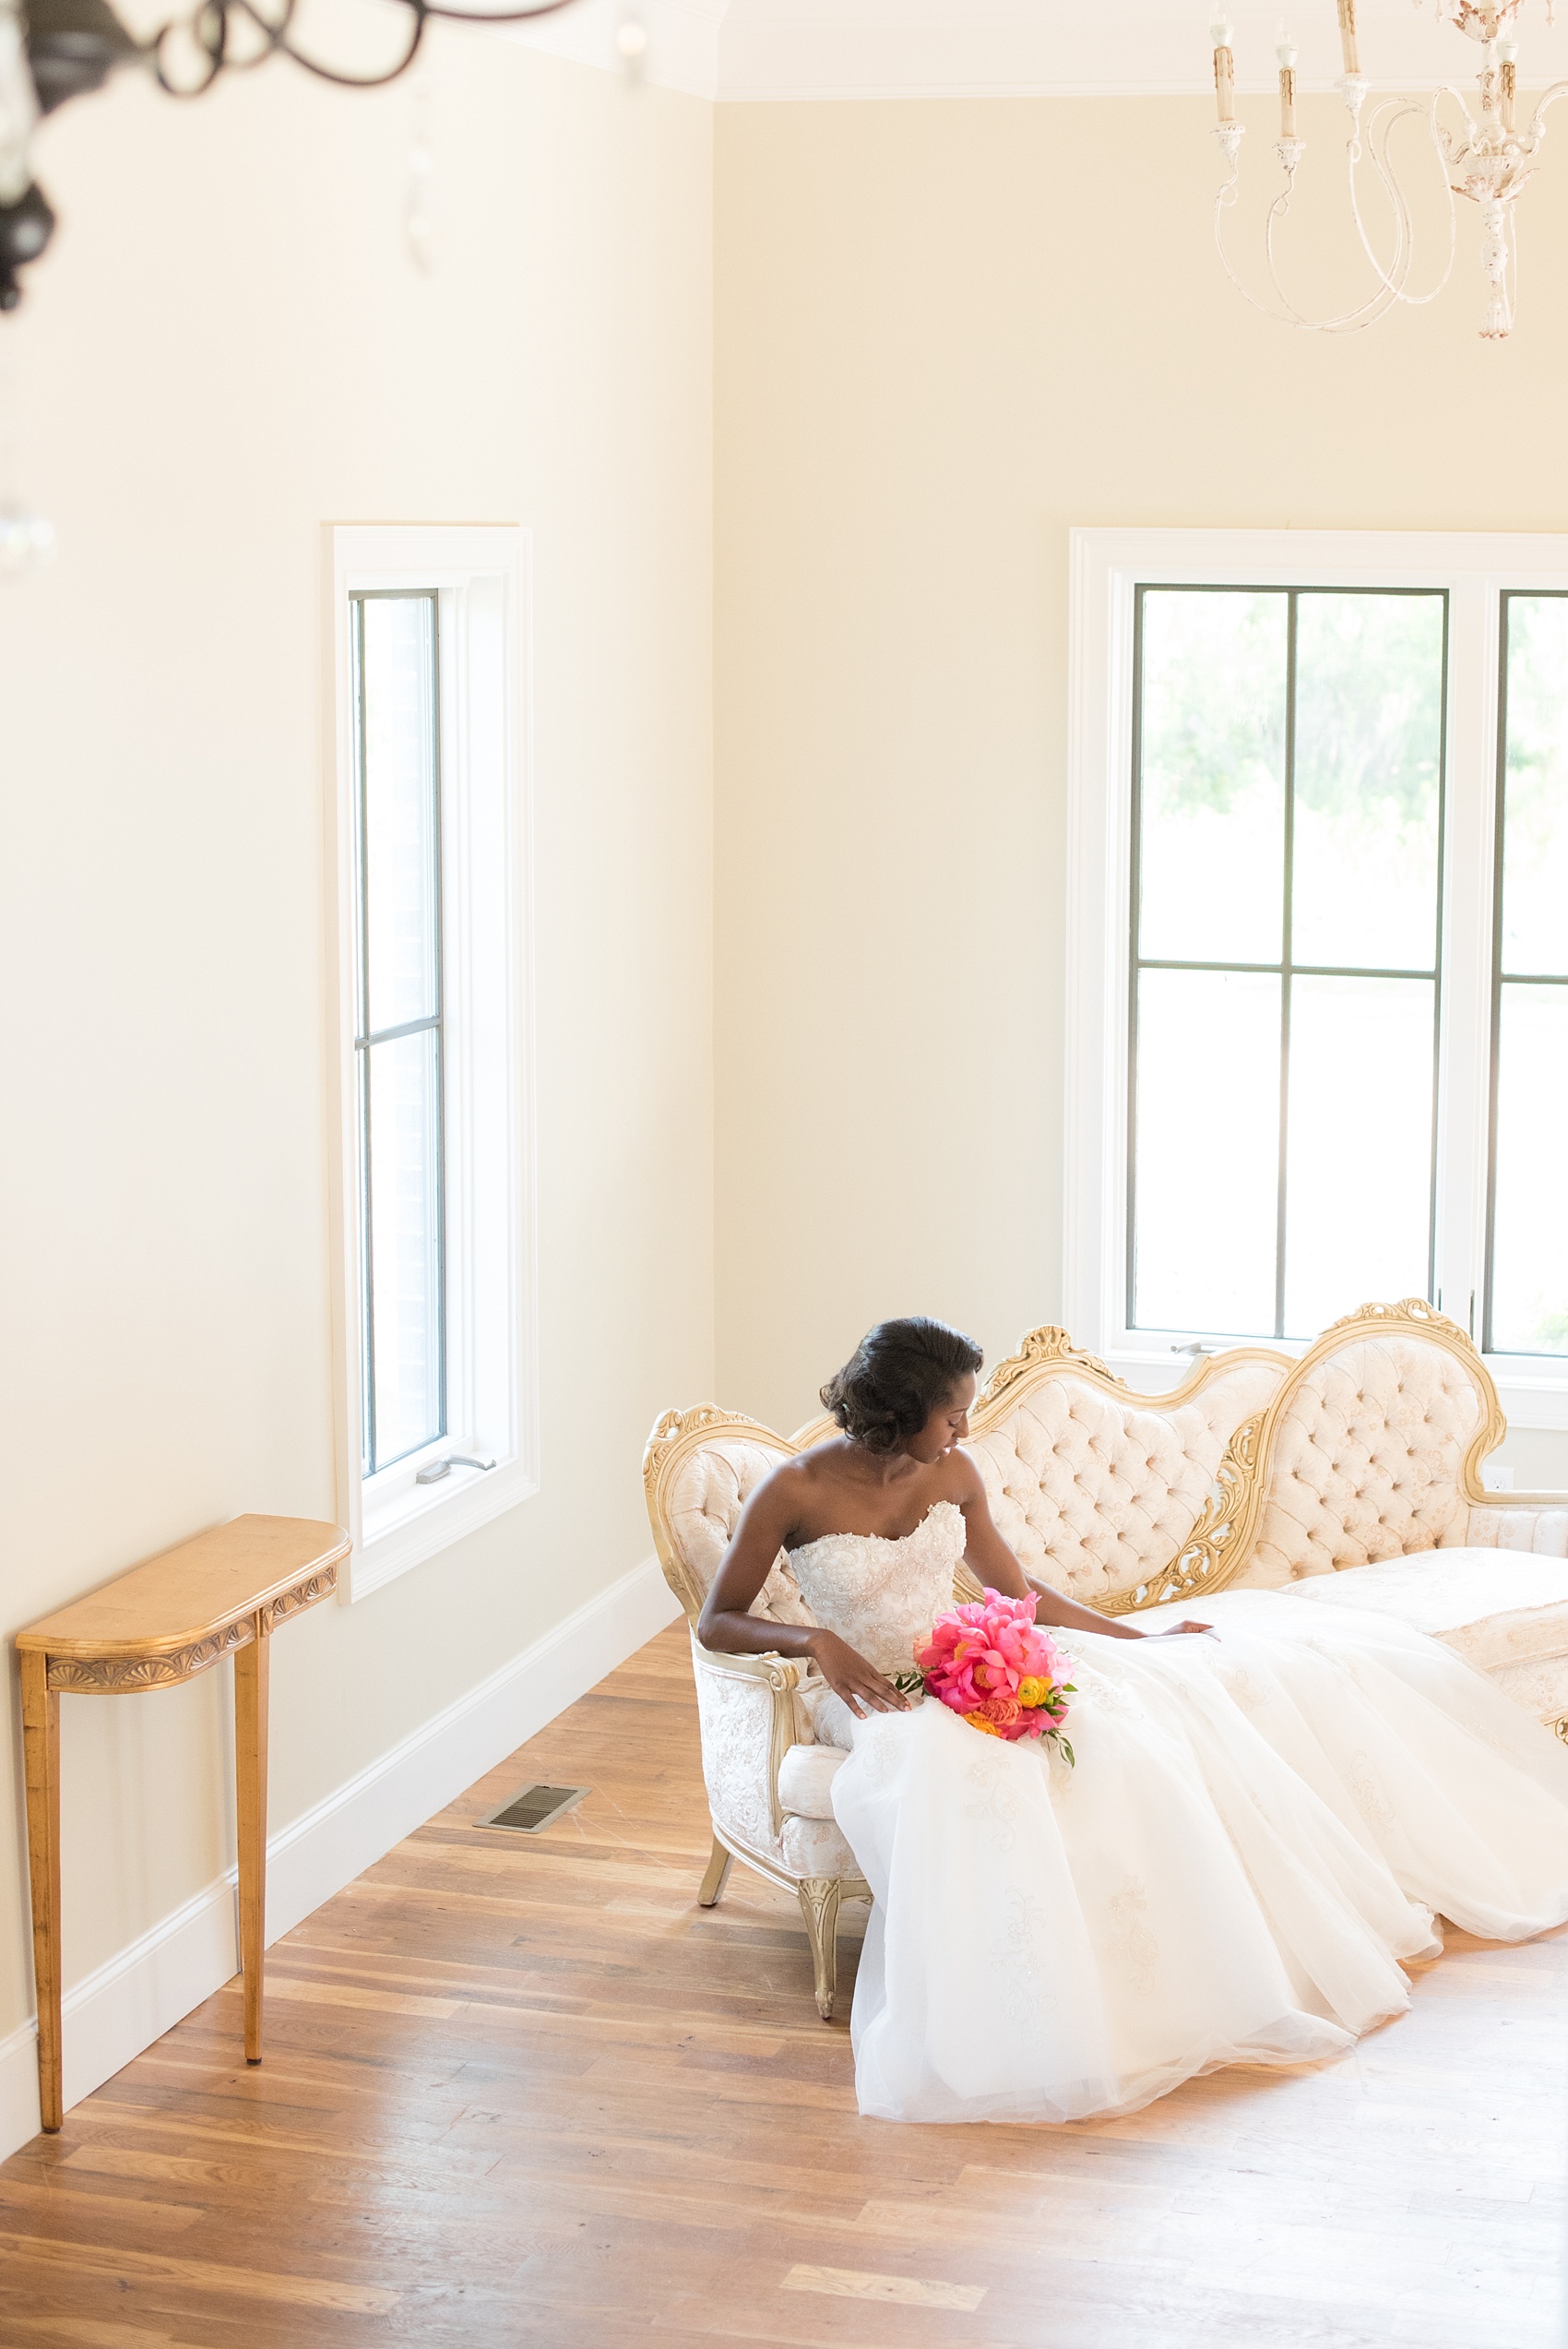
(1350, 1477)
(1366, 1492)
(1120, 1500)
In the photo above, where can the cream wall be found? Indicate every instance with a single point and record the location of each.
(227, 348)
(946, 333)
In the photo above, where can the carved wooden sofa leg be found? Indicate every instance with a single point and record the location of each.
(819, 1897)
(717, 1870)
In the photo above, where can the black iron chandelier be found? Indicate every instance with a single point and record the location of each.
(52, 50)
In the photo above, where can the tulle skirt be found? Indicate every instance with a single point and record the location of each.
(1260, 1829)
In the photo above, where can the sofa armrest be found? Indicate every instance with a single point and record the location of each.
(1536, 1522)
(751, 1714)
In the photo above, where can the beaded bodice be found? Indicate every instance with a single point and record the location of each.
(882, 1593)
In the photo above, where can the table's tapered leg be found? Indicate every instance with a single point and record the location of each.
(41, 1743)
(250, 1775)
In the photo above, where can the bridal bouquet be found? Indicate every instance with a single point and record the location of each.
(988, 1661)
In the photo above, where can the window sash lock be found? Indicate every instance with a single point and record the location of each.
(440, 1468)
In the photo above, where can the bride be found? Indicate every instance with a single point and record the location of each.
(1268, 1810)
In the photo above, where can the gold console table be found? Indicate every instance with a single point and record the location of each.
(224, 1594)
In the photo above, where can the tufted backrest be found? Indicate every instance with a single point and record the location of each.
(1097, 1490)
(700, 1468)
(1100, 1491)
(1373, 1447)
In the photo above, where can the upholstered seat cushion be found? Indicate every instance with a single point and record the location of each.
(1496, 1607)
(805, 1780)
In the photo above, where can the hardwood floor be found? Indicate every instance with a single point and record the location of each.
(525, 2092)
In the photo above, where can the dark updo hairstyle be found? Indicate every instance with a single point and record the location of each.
(895, 1378)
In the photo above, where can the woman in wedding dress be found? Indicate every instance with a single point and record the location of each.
(1268, 1809)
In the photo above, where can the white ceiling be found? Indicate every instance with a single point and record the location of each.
(782, 49)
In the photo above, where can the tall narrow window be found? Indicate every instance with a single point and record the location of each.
(433, 1212)
(395, 641)
(1528, 1252)
(1286, 899)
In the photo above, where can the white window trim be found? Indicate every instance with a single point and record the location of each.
(482, 575)
(1106, 565)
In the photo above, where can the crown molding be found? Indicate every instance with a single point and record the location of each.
(757, 52)
(806, 50)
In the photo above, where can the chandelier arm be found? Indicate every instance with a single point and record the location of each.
(1395, 277)
(212, 52)
(1391, 281)
(1349, 321)
(1366, 314)
(1224, 199)
(497, 17)
(286, 48)
(1420, 301)
(209, 30)
(273, 30)
(1406, 240)
(1452, 90)
(1549, 97)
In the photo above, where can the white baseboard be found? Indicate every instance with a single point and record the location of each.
(144, 1989)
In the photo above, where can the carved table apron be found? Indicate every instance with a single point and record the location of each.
(223, 1594)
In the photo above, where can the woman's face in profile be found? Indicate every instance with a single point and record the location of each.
(948, 1423)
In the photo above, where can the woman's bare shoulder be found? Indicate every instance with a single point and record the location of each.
(793, 1482)
(819, 1471)
(962, 1481)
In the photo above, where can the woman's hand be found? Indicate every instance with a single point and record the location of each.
(848, 1675)
(1174, 1630)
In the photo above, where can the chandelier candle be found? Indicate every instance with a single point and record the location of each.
(1348, 44)
(1507, 51)
(1224, 70)
(1285, 53)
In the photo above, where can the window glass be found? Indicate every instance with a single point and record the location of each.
(398, 1044)
(1359, 1157)
(1212, 776)
(1534, 928)
(404, 1265)
(1527, 1290)
(1367, 780)
(1205, 1172)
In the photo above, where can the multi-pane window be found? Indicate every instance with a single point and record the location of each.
(394, 650)
(1287, 871)
(432, 1208)
(1528, 1272)
(1317, 942)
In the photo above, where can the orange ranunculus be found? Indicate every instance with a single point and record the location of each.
(1002, 1712)
(979, 1721)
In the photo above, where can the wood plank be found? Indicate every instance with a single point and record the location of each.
(902, 2291)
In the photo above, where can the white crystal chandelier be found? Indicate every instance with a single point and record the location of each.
(1482, 154)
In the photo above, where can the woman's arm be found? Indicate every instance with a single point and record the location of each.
(725, 1625)
(988, 1555)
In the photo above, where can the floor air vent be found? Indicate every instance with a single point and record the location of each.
(533, 1807)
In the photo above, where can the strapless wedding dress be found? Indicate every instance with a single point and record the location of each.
(1259, 1828)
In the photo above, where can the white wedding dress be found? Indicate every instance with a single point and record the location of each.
(1260, 1827)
